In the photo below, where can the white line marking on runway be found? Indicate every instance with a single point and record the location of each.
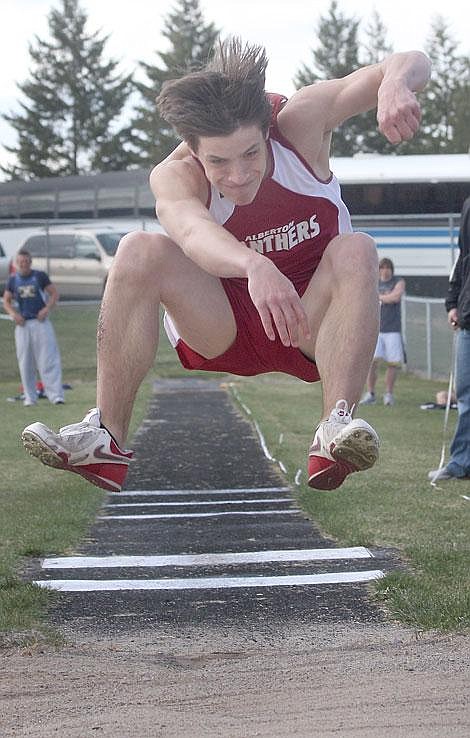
(206, 559)
(165, 492)
(198, 504)
(263, 442)
(108, 585)
(199, 515)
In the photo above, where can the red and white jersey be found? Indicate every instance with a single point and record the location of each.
(293, 217)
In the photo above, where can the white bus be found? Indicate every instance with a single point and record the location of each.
(411, 206)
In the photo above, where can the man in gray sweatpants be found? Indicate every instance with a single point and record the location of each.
(36, 345)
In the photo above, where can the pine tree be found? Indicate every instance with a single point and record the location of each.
(376, 46)
(73, 101)
(191, 42)
(336, 55)
(446, 99)
(375, 49)
(461, 118)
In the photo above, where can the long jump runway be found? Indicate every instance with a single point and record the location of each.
(207, 532)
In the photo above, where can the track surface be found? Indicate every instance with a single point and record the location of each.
(202, 486)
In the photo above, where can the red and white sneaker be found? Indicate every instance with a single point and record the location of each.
(84, 448)
(340, 446)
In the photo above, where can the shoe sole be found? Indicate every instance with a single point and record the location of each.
(40, 450)
(360, 448)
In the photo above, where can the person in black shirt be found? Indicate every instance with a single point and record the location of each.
(458, 315)
(390, 342)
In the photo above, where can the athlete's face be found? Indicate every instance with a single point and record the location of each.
(235, 164)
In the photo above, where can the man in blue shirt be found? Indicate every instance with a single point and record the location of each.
(36, 345)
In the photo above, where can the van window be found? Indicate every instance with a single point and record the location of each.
(36, 245)
(86, 248)
(110, 241)
(57, 246)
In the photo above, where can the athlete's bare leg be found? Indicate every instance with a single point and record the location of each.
(150, 270)
(342, 304)
(372, 377)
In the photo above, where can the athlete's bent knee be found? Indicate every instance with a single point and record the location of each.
(140, 255)
(366, 245)
(353, 253)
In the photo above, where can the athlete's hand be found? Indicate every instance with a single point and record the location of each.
(277, 302)
(398, 112)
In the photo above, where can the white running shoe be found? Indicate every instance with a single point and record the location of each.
(389, 399)
(440, 475)
(84, 448)
(368, 399)
(341, 446)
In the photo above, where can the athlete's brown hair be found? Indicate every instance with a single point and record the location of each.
(219, 98)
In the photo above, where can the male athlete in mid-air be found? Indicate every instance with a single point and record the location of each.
(260, 270)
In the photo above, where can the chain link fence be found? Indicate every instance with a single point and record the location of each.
(428, 337)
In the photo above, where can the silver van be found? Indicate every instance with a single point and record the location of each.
(5, 263)
(77, 260)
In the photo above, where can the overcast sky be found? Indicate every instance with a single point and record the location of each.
(287, 29)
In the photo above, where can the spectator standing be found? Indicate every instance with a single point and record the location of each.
(36, 345)
(458, 315)
(390, 342)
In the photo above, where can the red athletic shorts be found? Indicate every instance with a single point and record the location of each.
(252, 352)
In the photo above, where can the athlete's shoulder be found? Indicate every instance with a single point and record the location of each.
(187, 166)
(277, 102)
(185, 174)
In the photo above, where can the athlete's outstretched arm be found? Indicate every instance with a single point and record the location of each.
(316, 110)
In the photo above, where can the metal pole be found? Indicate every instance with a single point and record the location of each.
(452, 242)
(48, 247)
(428, 340)
(403, 328)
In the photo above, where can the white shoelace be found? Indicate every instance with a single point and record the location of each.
(341, 413)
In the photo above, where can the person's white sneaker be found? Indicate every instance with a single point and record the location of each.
(440, 475)
(84, 448)
(389, 399)
(341, 446)
(367, 399)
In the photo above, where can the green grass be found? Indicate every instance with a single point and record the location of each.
(44, 512)
(393, 505)
(76, 329)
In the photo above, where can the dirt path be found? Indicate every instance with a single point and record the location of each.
(345, 680)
